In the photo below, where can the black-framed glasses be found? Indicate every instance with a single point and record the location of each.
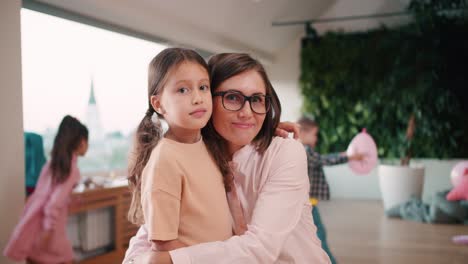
(235, 101)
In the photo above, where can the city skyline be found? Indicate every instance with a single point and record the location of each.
(60, 60)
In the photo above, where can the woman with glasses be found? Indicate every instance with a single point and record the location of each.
(269, 189)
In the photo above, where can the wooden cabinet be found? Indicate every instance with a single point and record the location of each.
(119, 199)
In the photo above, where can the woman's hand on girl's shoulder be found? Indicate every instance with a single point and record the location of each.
(284, 128)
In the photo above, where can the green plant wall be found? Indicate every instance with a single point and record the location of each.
(378, 79)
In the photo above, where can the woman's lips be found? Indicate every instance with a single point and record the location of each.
(242, 125)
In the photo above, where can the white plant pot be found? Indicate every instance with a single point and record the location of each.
(399, 183)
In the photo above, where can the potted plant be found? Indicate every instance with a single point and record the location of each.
(398, 183)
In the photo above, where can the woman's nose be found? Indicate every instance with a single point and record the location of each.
(245, 111)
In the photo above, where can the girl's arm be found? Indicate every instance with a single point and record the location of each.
(158, 245)
(59, 198)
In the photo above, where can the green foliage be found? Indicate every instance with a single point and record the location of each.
(378, 79)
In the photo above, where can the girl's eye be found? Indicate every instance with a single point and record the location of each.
(204, 88)
(183, 90)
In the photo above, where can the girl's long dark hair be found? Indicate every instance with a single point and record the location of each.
(69, 136)
(148, 132)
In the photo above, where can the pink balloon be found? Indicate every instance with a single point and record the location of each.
(364, 144)
(458, 171)
(461, 239)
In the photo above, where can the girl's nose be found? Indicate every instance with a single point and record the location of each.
(197, 98)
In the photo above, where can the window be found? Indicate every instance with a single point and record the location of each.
(96, 75)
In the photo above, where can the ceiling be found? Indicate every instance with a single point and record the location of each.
(230, 25)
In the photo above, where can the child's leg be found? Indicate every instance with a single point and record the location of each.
(321, 233)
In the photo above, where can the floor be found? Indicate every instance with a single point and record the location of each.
(359, 233)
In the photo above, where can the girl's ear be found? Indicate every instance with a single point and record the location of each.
(82, 147)
(156, 104)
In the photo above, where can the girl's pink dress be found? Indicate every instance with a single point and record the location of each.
(45, 210)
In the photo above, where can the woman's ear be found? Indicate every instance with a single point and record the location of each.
(156, 104)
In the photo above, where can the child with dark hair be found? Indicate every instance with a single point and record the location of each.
(177, 186)
(40, 236)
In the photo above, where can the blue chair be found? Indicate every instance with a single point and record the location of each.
(34, 159)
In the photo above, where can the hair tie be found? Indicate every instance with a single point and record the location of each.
(150, 111)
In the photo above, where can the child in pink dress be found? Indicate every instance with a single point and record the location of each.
(40, 236)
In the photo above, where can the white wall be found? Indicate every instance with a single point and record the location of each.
(11, 120)
(284, 74)
(362, 7)
(345, 184)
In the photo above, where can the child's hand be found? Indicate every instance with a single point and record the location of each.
(284, 128)
(357, 156)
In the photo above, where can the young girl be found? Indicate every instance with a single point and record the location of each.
(177, 187)
(40, 236)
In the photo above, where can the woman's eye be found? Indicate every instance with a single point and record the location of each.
(257, 99)
(183, 90)
(233, 97)
(204, 88)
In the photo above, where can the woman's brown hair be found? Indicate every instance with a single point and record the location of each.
(148, 132)
(222, 67)
(69, 136)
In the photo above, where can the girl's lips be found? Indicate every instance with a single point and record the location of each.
(198, 113)
(242, 125)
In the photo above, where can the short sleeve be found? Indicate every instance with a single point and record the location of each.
(160, 197)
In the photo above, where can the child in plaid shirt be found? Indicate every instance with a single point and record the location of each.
(319, 189)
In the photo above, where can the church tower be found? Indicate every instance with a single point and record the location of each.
(93, 120)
